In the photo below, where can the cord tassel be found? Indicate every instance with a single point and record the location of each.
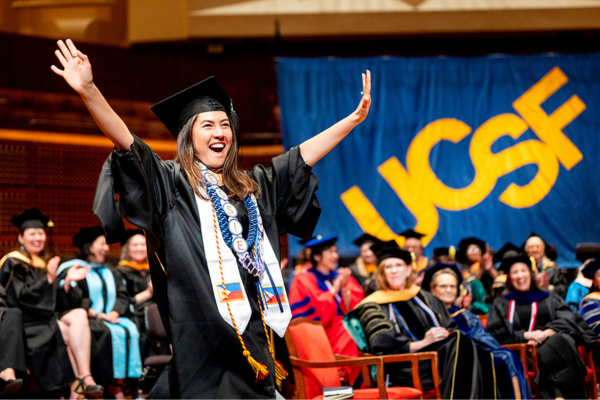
(261, 371)
(280, 372)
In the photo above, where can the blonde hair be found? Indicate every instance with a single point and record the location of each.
(383, 284)
(448, 271)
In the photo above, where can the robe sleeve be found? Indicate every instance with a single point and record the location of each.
(123, 300)
(478, 305)
(307, 300)
(35, 296)
(558, 280)
(356, 294)
(75, 298)
(590, 311)
(565, 320)
(145, 185)
(440, 310)
(499, 326)
(381, 333)
(288, 189)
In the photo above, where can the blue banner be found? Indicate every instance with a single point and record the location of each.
(494, 147)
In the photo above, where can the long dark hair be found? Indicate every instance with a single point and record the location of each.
(237, 183)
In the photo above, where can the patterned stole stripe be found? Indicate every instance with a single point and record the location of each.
(434, 319)
(534, 311)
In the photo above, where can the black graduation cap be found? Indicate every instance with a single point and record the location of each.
(382, 245)
(383, 253)
(364, 238)
(321, 243)
(87, 235)
(129, 233)
(445, 251)
(176, 110)
(32, 218)
(429, 272)
(409, 233)
(585, 251)
(508, 262)
(508, 250)
(590, 269)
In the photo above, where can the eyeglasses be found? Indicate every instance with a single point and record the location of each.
(446, 287)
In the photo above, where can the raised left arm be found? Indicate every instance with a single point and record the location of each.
(316, 147)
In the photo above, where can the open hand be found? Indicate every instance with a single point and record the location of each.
(76, 273)
(365, 103)
(77, 68)
(343, 276)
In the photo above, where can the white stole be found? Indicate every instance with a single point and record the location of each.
(238, 298)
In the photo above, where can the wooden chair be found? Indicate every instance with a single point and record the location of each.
(315, 366)
(584, 352)
(521, 349)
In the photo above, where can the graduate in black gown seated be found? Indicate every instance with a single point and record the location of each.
(503, 372)
(401, 318)
(212, 230)
(103, 295)
(58, 347)
(529, 315)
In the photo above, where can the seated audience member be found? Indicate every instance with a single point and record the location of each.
(103, 294)
(550, 279)
(325, 293)
(12, 347)
(580, 287)
(303, 263)
(530, 315)
(57, 349)
(401, 318)
(363, 268)
(135, 270)
(590, 305)
(476, 261)
(413, 244)
(506, 373)
(445, 255)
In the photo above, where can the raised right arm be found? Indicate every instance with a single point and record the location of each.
(78, 74)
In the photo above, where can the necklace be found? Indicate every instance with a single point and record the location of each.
(250, 251)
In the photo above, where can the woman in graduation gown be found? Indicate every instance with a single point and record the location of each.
(401, 318)
(213, 297)
(135, 270)
(505, 375)
(326, 293)
(529, 315)
(57, 350)
(363, 268)
(103, 294)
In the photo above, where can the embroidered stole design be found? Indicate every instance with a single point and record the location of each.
(233, 285)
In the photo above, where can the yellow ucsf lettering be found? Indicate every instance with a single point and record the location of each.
(422, 191)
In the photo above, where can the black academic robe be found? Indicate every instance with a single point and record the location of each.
(79, 297)
(156, 196)
(46, 352)
(136, 282)
(12, 341)
(562, 372)
(460, 375)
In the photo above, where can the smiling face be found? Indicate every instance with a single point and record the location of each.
(137, 249)
(396, 273)
(212, 138)
(34, 240)
(445, 288)
(367, 254)
(474, 253)
(98, 250)
(520, 277)
(327, 260)
(535, 248)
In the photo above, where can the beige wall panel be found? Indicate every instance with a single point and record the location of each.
(157, 20)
